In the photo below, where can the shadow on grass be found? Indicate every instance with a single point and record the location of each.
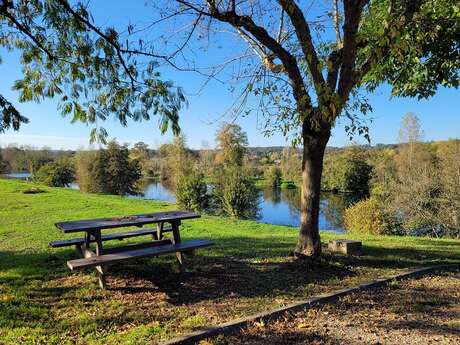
(235, 266)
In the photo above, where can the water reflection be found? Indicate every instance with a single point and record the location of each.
(276, 206)
(282, 207)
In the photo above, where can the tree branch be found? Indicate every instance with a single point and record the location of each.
(94, 28)
(304, 36)
(26, 31)
(352, 12)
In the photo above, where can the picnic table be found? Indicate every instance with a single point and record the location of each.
(158, 244)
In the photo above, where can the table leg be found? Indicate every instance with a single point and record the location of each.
(99, 251)
(177, 240)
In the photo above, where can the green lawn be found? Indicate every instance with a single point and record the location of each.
(248, 270)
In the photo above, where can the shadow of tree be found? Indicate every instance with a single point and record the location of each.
(234, 270)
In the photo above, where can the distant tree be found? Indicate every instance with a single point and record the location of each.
(59, 173)
(234, 193)
(108, 170)
(291, 162)
(232, 144)
(3, 164)
(273, 176)
(179, 160)
(141, 153)
(84, 162)
(449, 173)
(117, 173)
(410, 133)
(347, 171)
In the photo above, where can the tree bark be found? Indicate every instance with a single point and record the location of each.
(314, 145)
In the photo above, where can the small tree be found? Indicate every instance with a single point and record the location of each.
(108, 170)
(347, 171)
(56, 174)
(191, 192)
(232, 143)
(273, 176)
(116, 172)
(234, 193)
(83, 162)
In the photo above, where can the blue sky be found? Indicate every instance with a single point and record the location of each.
(440, 115)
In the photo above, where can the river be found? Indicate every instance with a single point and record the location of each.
(276, 206)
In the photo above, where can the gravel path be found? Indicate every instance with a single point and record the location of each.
(423, 311)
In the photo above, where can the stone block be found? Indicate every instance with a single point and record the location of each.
(348, 247)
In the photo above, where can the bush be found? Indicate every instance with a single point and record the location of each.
(235, 193)
(368, 217)
(273, 176)
(55, 174)
(191, 192)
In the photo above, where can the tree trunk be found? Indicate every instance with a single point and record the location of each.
(309, 243)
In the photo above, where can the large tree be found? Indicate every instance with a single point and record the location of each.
(308, 75)
(306, 63)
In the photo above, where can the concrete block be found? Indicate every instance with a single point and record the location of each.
(348, 247)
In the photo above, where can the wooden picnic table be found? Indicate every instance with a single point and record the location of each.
(158, 245)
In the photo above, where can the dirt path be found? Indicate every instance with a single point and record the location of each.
(424, 311)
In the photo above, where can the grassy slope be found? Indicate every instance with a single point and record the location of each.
(248, 270)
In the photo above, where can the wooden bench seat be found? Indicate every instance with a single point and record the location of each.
(118, 236)
(137, 254)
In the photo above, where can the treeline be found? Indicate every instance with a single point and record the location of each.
(411, 188)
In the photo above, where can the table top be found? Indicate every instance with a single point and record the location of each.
(117, 222)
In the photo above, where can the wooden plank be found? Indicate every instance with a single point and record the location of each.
(137, 253)
(133, 246)
(108, 237)
(117, 222)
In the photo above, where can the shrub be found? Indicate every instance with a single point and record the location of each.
(273, 176)
(55, 174)
(234, 193)
(191, 192)
(368, 217)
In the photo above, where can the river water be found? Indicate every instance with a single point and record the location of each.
(276, 206)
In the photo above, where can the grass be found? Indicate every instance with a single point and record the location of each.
(247, 271)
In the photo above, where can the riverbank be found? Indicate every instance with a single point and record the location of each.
(247, 271)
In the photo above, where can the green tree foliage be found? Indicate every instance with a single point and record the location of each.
(347, 171)
(93, 75)
(108, 171)
(176, 160)
(291, 163)
(232, 143)
(141, 153)
(191, 192)
(84, 162)
(273, 177)
(425, 54)
(234, 193)
(59, 173)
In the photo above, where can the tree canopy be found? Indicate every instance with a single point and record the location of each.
(66, 55)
